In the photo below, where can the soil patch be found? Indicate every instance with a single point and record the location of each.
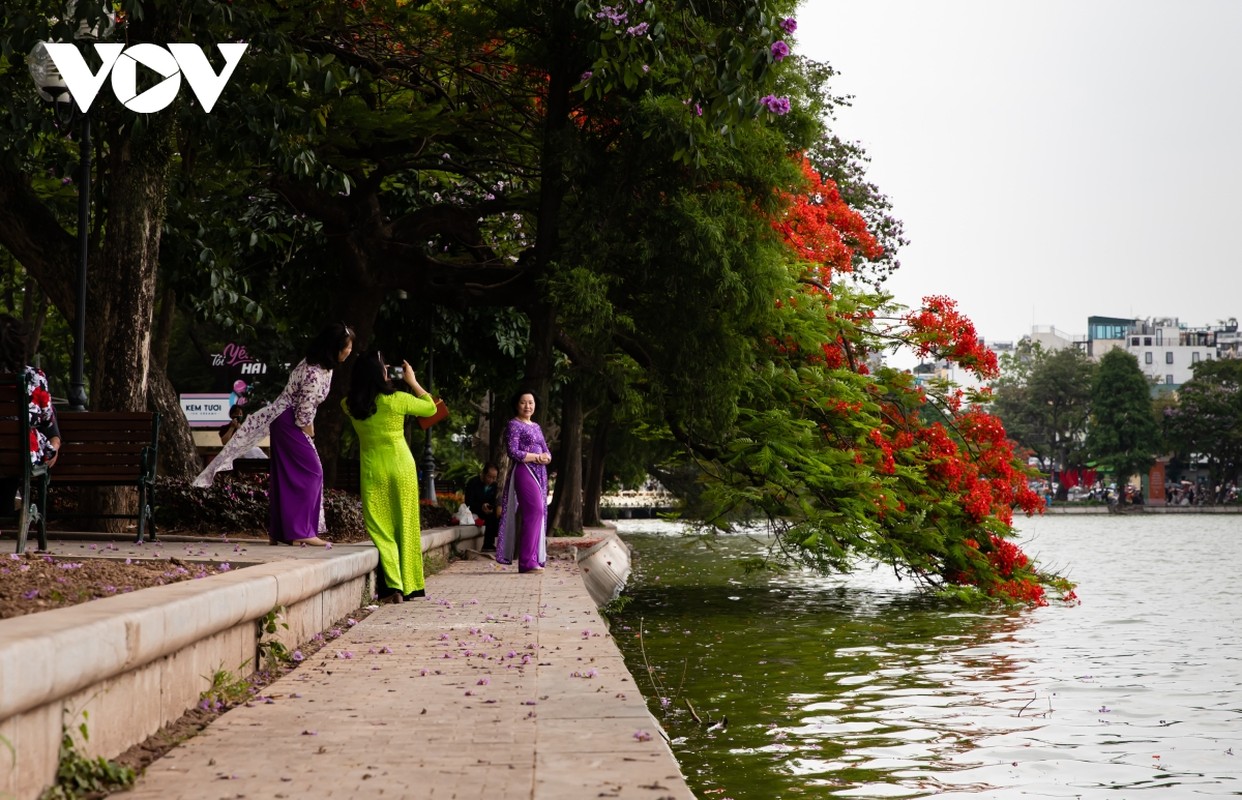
(32, 582)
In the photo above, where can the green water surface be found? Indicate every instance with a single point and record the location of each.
(859, 686)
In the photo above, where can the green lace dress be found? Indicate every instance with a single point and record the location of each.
(389, 483)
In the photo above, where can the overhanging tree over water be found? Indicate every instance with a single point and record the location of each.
(629, 179)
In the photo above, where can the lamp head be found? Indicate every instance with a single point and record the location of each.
(47, 78)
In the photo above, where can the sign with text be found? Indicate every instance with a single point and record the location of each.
(204, 410)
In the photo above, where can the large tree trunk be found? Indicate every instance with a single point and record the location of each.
(178, 456)
(566, 511)
(498, 413)
(121, 299)
(593, 491)
(552, 189)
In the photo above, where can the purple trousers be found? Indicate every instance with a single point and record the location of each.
(533, 505)
(296, 488)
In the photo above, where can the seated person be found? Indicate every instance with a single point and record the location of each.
(481, 492)
(45, 440)
(236, 416)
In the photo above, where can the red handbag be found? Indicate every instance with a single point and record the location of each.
(442, 412)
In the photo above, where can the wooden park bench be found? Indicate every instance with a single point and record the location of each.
(111, 448)
(100, 448)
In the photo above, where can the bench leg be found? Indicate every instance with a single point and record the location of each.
(34, 511)
(146, 514)
(23, 527)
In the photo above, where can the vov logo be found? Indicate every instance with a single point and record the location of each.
(171, 62)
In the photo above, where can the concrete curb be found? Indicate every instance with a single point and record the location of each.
(72, 648)
(136, 662)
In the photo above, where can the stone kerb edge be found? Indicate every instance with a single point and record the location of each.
(47, 656)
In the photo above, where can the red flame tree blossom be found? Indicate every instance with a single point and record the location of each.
(847, 457)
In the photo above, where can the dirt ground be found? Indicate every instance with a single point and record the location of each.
(30, 583)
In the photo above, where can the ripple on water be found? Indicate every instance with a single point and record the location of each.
(857, 687)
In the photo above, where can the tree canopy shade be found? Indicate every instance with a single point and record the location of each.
(1206, 421)
(639, 202)
(1123, 437)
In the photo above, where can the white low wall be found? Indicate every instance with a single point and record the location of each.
(138, 661)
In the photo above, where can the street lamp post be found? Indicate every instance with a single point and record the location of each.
(52, 87)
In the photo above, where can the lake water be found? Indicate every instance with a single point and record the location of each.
(859, 687)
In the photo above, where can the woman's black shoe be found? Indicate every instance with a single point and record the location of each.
(416, 593)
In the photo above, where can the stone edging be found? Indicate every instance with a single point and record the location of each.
(138, 661)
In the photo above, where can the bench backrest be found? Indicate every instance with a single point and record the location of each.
(104, 446)
(14, 419)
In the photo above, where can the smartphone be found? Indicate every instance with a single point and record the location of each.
(396, 373)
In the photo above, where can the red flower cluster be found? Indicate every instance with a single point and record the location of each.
(822, 229)
(933, 473)
(1006, 556)
(941, 330)
(1023, 590)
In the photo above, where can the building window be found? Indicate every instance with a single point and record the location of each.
(1147, 359)
(1134, 341)
(1147, 341)
(1168, 379)
(1168, 356)
(1194, 358)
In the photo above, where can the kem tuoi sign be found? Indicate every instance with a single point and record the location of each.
(171, 61)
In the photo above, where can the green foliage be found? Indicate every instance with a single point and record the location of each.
(226, 691)
(1044, 399)
(79, 777)
(459, 153)
(1123, 437)
(272, 653)
(616, 605)
(1207, 418)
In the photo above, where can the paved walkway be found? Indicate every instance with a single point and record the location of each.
(497, 685)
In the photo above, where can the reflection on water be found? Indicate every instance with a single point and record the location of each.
(857, 686)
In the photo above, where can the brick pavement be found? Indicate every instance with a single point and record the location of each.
(497, 685)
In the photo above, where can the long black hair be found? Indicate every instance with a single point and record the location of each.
(368, 381)
(325, 349)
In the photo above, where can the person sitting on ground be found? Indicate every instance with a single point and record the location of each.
(481, 491)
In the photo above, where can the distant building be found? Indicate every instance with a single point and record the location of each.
(1104, 334)
(1228, 339)
(1050, 339)
(1167, 350)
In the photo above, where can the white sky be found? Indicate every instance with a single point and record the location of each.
(1049, 160)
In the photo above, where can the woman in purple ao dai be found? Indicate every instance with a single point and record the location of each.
(524, 506)
(295, 487)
